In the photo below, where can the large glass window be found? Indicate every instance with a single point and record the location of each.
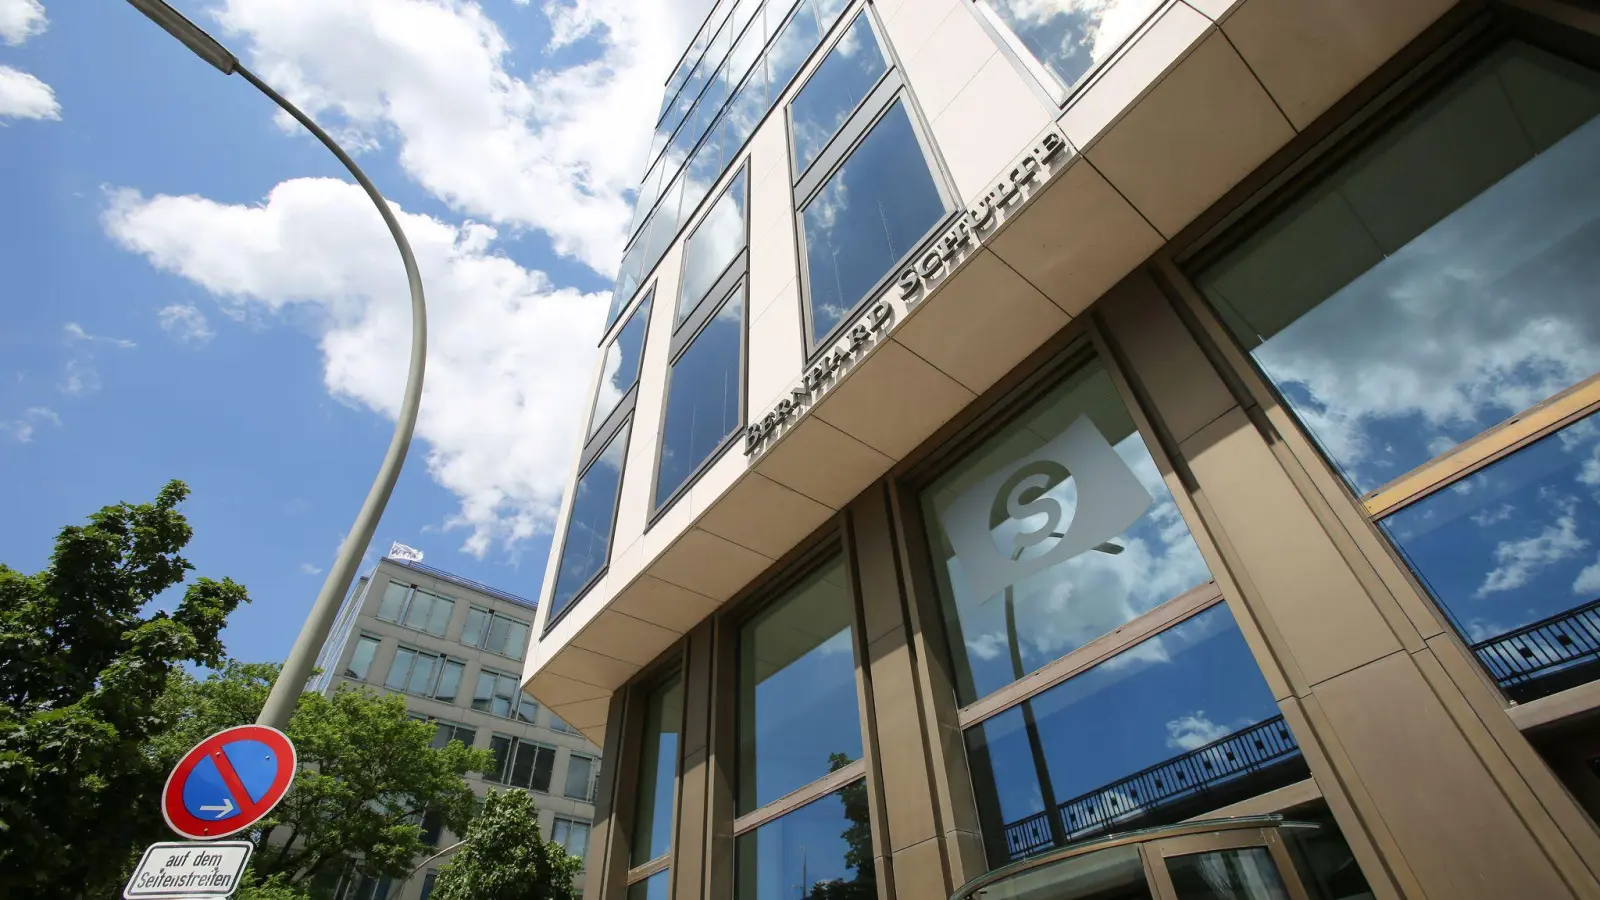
(836, 88)
(716, 242)
(581, 772)
(572, 835)
(867, 217)
(705, 391)
(496, 693)
(426, 674)
(798, 717)
(587, 544)
(405, 605)
(1056, 530)
(658, 774)
(1068, 39)
(822, 849)
(520, 763)
(1427, 305)
(1170, 728)
(656, 887)
(620, 370)
(361, 657)
(445, 732)
(495, 632)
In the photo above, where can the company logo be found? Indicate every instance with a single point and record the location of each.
(1109, 500)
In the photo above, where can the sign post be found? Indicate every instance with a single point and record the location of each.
(228, 782)
(169, 871)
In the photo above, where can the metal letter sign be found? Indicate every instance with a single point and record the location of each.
(188, 871)
(228, 782)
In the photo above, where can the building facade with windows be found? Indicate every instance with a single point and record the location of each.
(1020, 423)
(454, 649)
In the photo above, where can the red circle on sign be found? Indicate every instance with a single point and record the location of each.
(250, 809)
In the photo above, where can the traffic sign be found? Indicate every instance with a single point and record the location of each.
(188, 870)
(228, 782)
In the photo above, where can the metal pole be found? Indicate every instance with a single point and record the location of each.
(302, 658)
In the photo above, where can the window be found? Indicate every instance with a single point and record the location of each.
(496, 693)
(587, 545)
(825, 846)
(558, 724)
(1426, 310)
(520, 763)
(581, 771)
(620, 371)
(449, 731)
(714, 246)
(428, 881)
(658, 774)
(432, 829)
(416, 609)
(798, 718)
(865, 188)
(656, 887)
(571, 835)
(705, 394)
(1060, 44)
(361, 657)
(426, 674)
(834, 90)
(1063, 502)
(495, 632)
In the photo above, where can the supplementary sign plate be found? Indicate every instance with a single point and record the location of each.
(171, 871)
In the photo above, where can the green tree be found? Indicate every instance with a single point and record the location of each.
(369, 774)
(858, 844)
(83, 664)
(505, 858)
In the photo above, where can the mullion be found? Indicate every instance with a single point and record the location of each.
(708, 307)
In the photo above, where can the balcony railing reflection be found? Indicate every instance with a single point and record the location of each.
(1547, 656)
(1264, 746)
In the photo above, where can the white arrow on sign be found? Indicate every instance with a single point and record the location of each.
(221, 811)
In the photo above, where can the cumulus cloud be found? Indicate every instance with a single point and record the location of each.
(20, 20)
(507, 348)
(185, 323)
(23, 96)
(1519, 560)
(1194, 730)
(555, 149)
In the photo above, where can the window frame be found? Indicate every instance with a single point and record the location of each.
(797, 171)
(412, 590)
(361, 637)
(591, 782)
(513, 746)
(616, 504)
(890, 88)
(640, 693)
(570, 821)
(734, 278)
(1287, 178)
(516, 696)
(488, 627)
(440, 657)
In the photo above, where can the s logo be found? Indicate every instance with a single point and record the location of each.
(1110, 499)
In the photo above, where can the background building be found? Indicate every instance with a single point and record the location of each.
(1020, 422)
(453, 648)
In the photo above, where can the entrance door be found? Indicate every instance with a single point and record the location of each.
(1244, 864)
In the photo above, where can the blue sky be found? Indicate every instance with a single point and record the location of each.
(189, 295)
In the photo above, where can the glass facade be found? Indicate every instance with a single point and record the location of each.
(821, 850)
(415, 609)
(798, 718)
(658, 774)
(1069, 39)
(587, 545)
(705, 393)
(843, 80)
(1418, 300)
(620, 370)
(716, 241)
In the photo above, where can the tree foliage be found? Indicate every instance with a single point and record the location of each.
(83, 664)
(368, 774)
(505, 858)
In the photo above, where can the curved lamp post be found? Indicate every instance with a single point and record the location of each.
(297, 667)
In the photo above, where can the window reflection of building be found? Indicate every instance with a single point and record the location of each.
(1427, 311)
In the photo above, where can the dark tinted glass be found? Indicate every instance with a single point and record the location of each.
(1247, 873)
(658, 772)
(621, 367)
(867, 217)
(1070, 38)
(824, 848)
(588, 540)
(703, 397)
(716, 241)
(792, 45)
(1512, 544)
(798, 715)
(841, 82)
(1442, 279)
(1173, 727)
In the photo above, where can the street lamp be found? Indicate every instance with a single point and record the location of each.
(297, 668)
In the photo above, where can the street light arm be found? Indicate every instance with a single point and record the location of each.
(298, 666)
(302, 658)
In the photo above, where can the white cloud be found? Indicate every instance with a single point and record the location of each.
(22, 429)
(554, 150)
(81, 378)
(76, 333)
(23, 96)
(1485, 517)
(508, 350)
(1587, 584)
(309, 569)
(185, 323)
(1194, 730)
(20, 20)
(1517, 561)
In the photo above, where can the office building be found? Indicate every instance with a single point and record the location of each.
(1022, 422)
(453, 649)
